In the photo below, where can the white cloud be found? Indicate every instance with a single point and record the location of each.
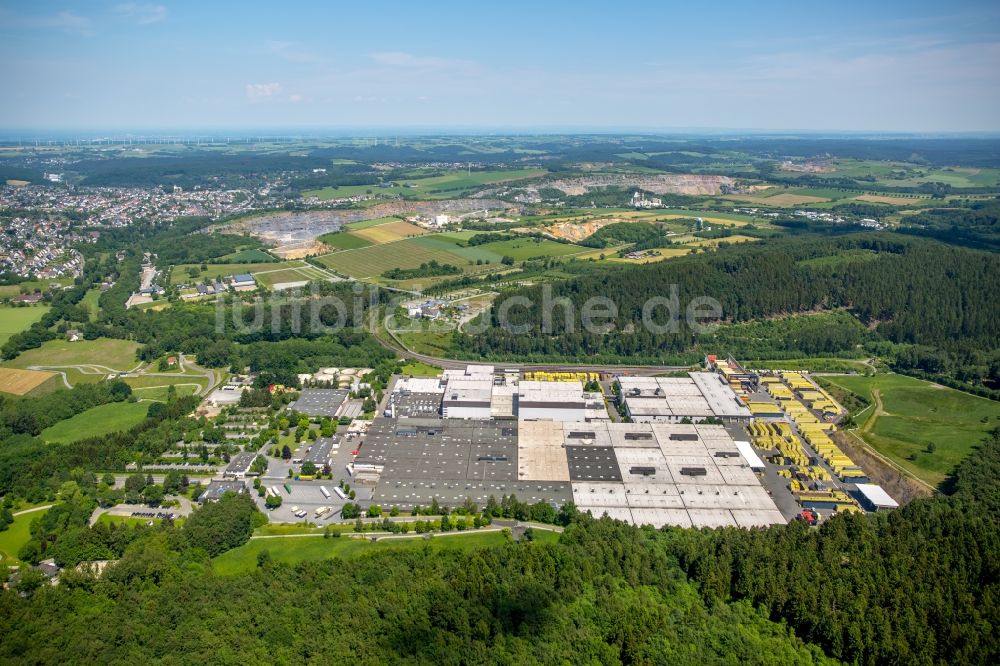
(262, 90)
(142, 13)
(295, 98)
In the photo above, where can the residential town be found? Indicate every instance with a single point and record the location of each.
(41, 223)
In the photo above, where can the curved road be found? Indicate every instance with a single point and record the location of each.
(186, 366)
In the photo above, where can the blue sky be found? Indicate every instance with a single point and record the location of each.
(888, 66)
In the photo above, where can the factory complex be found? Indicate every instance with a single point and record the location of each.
(681, 457)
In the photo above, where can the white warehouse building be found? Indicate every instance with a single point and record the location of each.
(699, 396)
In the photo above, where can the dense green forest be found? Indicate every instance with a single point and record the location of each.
(976, 224)
(918, 585)
(934, 306)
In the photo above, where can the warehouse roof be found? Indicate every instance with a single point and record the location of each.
(720, 397)
(749, 454)
(240, 463)
(419, 385)
(320, 402)
(469, 391)
(877, 496)
(320, 451)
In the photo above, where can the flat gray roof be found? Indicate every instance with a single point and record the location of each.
(320, 402)
(592, 463)
(416, 404)
(240, 463)
(320, 451)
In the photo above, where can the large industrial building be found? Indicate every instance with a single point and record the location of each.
(697, 397)
(645, 473)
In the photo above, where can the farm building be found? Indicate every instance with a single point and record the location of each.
(243, 282)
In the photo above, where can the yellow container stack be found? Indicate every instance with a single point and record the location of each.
(779, 392)
(541, 376)
(814, 431)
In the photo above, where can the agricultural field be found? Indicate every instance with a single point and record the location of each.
(374, 222)
(290, 275)
(371, 262)
(464, 180)
(16, 319)
(292, 550)
(447, 248)
(893, 199)
(905, 174)
(97, 421)
(630, 215)
(710, 217)
(832, 193)
(358, 235)
(777, 197)
(103, 355)
(344, 240)
(388, 232)
(425, 186)
(21, 382)
(524, 249)
(924, 427)
(714, 242)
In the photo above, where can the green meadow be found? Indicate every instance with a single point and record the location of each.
(97, 421)
(926, 428)
(16, 319)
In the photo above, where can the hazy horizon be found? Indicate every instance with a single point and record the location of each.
(894, 67)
